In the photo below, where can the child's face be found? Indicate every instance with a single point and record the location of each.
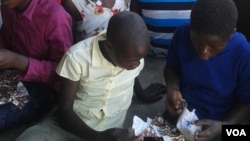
(128, 57)
(207, 46)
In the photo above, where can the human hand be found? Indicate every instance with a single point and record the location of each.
(174, 102)
(154, 92)
(119, 134)
(7, 59)
(210, 129)
(12, 60)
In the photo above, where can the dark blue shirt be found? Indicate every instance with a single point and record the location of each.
(211, 86)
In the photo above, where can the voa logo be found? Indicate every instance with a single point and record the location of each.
(236, 132)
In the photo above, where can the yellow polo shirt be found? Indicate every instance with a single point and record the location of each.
(105, 91)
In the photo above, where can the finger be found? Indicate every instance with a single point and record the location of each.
(182, 104)
(178, 108)
(131, 136)
(162, 90)
(198, 136)
(178, 105)
(158, 85)
(171, 109)
(131, 132)
(140, 138)
(154, 98)
(176, 96)
(201, 122)
(185, 104)
(202, 139)
(157, 98)
(152, 85)
(159, 93)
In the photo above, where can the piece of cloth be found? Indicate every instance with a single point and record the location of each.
(157, 127)
(42, 32)
(185, 125)
(162, 18)
(95, 16)
(12, 90)
(41, 100)
(211, 86)
(105, 91)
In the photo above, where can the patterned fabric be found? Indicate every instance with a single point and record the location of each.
(162, 17)
(95, 16)
(165, 129)
(11, 90)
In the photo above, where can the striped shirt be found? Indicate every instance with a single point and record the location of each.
(162, 17)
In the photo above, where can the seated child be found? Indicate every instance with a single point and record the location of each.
(208, 66)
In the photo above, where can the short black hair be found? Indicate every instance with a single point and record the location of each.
(214, 17)
(127, 28)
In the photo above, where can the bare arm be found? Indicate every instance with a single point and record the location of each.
(8, 60)
(66, 115)
(70, 121)
(174, 96)
(171, 78)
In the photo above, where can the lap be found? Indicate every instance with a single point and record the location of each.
(41, 100)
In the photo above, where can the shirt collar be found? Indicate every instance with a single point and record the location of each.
(97, 57)
(28, 12)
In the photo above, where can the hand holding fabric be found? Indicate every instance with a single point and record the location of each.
(174, 102)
